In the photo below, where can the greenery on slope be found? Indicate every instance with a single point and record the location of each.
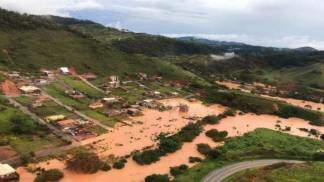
(29, 43)
(261, 143)
(309, 172)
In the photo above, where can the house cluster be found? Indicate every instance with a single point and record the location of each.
(77, 128)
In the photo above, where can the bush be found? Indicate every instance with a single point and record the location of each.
(23, 125)
(157, 178)
(50, 175)
(203, 148)
(214, 154)
(216, 135)
(84, 162)
(169, 144)
(194, 159)
(189, 132)
(106, 167)
(212, 119)
(319, 156)
(147, 157)
(314, 132)
(119, 165)
(175, 171)
(322, 137)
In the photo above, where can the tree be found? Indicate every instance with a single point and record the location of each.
(23, 125)
(157, 178)
(85, 162)
(169, 144)
(175, 171)
(50, 175)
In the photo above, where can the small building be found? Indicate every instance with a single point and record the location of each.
(75, 94)
(183, 108)
(64, 70)
(143, 76)
(96, 105)
(54, 118)
(133, 111)
(110, 100)
(114, 81)
(30, 89)
(67, 123)
(8, 173)
(229, 55)
(47, 73)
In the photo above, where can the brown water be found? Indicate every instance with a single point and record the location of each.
(236, 126)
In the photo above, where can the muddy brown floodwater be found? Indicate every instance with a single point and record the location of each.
(125, 139)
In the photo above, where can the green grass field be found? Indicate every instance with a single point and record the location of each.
(57, 90)
(309, 172)
(23, 143)
(261, 143)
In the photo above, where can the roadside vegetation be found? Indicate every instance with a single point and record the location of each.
(261, 143)
(313, 171)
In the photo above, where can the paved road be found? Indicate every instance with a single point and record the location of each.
(220, 174)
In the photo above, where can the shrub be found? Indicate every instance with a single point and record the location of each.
(194, 159)
(169, 144)
(214, 154)
(175, 171)
(203, 148)
(23, 125)
(212, 119)
(319, 156)
(322, 137)
(229, 112)
(50, 175)
(147, 156)
(106, 167)
(189, 132)
(216, 135)
(157, 178)
(119, 165)
(314, 132)
(84, 162)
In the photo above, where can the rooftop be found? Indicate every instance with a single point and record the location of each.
(6, 169)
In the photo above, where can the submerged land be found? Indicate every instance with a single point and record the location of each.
(84, 102)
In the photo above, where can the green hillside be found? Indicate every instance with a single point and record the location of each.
(29, 43)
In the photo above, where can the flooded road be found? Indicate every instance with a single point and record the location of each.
(125, 139)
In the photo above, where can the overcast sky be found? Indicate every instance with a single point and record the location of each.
(281, 23)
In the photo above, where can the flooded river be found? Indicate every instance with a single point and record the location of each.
(125, 139)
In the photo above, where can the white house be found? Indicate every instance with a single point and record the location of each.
(64, 70)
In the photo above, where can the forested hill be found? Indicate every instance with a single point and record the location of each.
(29, 43)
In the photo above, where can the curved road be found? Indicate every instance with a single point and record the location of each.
(220, 174)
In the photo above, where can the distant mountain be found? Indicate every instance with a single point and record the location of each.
(306, 49)
(210, 42)
(239, 46)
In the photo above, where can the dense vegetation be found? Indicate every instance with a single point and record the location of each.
(50, 175)
(157, 178)
(261, 143)
(84, 162)
(282, 172)
(259, 105)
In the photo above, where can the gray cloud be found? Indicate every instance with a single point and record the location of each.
(284, 23)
